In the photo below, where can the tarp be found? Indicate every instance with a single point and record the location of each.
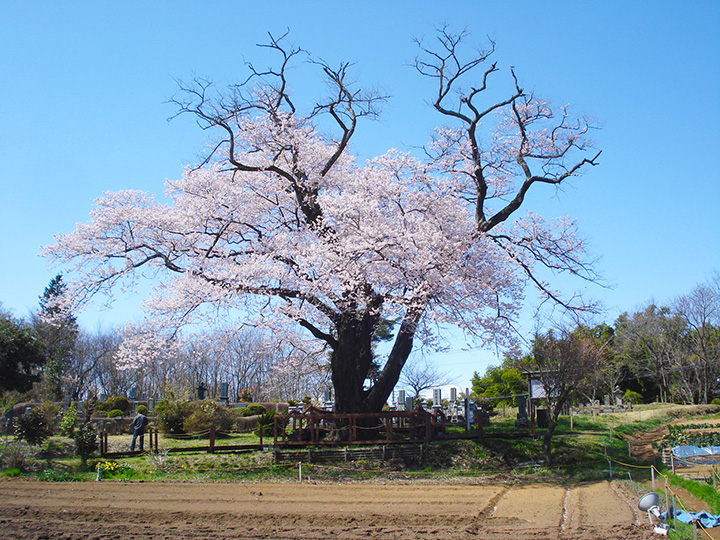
(685, 452)
(706, 520)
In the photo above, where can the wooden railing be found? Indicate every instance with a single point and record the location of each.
(317, 427)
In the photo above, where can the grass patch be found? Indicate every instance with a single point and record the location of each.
(50, 475)
(581, 450)
(702, 491)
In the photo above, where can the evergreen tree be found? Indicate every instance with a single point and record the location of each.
(21, 356)
(503, 382)
(57, 329)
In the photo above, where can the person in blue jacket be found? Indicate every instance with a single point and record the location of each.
(139, 424)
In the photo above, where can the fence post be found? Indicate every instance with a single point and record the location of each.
(652, 475)
(674, 506)
(211, 448)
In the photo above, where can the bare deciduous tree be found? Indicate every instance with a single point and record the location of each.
(561, 361)
(650, 341)
(700, 312)
(419, 374)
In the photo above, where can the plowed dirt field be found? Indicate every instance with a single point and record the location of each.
(183, 511)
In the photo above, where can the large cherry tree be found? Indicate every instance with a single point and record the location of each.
(280, 223)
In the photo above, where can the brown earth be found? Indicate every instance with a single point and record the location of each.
(184, 511)
(641, 443)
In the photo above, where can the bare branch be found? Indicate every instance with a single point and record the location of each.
(345, 106)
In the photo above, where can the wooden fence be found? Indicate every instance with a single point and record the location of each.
(312, 427)
(316, 427)
(152, 438)
(347, 455)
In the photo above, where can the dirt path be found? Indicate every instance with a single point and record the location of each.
(184, 511)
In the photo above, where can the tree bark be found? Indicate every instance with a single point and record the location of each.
(350, 362)
(352, 358)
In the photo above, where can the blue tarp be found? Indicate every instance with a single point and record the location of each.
(685, 452)
(706, 520)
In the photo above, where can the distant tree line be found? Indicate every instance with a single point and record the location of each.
(658, 353)
(48, 357)
(668, 354)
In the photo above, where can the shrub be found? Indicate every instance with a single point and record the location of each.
(265, 423)
(120, 403)
(253, 410)
(487, 405)
(142, 409)
(115, 413)
(34, 427)
(69, 421)
(85, 441)
(15, 455)
(633, 397)
(206, 414)
(170, 415)
(245, 424)
(50, 410)
(10, 398)
(715, 401)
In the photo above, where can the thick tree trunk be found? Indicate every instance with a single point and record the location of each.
(350, 362)
(389, 376)
(352, 359)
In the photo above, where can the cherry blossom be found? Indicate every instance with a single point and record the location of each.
(281, 226)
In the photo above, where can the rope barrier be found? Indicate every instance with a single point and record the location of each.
(678, 499)
(629, 465)
(676, 496)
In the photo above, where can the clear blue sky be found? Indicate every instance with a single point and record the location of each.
(84, 85)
